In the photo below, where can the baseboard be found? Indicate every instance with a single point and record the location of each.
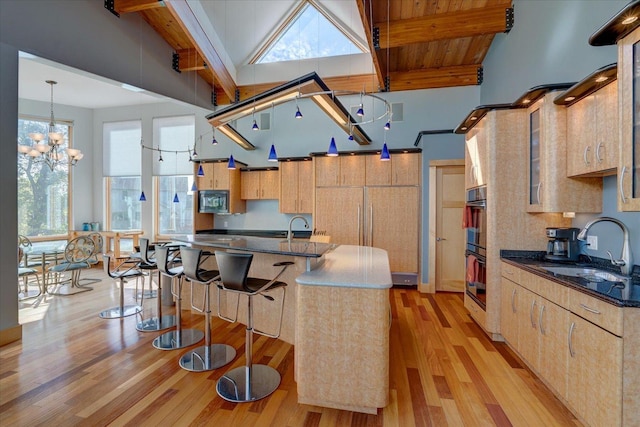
(10, 335)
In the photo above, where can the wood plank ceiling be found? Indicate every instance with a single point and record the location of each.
(415, 44)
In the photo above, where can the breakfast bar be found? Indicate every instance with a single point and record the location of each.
(336, 314)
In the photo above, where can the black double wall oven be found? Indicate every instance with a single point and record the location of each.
(475, 223)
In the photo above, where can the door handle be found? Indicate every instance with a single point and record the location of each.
(439, 239)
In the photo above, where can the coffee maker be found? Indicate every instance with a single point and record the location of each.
(562, 244)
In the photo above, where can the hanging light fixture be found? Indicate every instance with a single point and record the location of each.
(175, 196)
(273, 157)
(384, 155)
(142, 198)
(360, 112)
(253, 116)
(214, 141)
(200, 170)
(50, 152)
(298, 113)
(387, 125)
(333, 150)
(194, 187)
(232, 163)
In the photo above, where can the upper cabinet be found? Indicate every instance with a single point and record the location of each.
(402, 169)
(296, 186)
(345, 170)
(475, 156)
(217, 176)
(629, 92)
(549, 189)
(592, 134)
(260, 184)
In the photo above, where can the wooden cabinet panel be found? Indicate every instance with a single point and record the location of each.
(592, 133)
(629, 122)
(327, 171)
(339, 211)
(392, 223)
(296, 187)
(405, 168)
(260, 185)
(352, 170)
(250, 185)
(269, 184)
(221, 180)
(205, 182)
(527, 307)
(378, 172)
(603, 314)
(553, 323)
(549, 189)
(476, 156)
(508, 311)
(595, 373)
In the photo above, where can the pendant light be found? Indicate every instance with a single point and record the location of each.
(232, 163)
(200, 170)
(175, 198)
(142, 198)
(384, 155)
(194, 187)
(273, 157)
(333, 150)
(298, 113)
(214, 141)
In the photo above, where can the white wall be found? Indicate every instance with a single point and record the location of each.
(549, 44)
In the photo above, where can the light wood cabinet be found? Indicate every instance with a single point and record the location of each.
(592, 134)
(549, 189)
(217, 176)
(205, 182)
(346, 170)
(509, 311)
(595, 373)
(475, 156)
(260, 184)
(629, 122)
(296, 186)
(340, 212)
(222, 176)
(402, 169)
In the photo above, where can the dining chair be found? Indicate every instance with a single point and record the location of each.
(25, 274)
(94, 259)
(77, 253)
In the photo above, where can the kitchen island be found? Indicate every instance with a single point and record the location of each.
(336, 314)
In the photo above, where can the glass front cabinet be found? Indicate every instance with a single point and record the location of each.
(629, 93)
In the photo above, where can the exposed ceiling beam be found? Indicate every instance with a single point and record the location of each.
(443, 26)
(189, 23)
(363, 8)
(130, 6)
(459, 75)
(190, 60)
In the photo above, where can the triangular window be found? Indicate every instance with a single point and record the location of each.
(310, 34)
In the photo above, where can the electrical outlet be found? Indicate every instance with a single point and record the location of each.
(592, 241)
(226, 224)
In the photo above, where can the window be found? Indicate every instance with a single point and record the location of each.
(43, 193)
(310, 34)
(174, 136)
(122, 170)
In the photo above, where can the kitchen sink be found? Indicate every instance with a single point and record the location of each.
(591, 274)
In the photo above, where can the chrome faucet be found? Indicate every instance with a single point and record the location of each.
(289, 232)
(625, 262)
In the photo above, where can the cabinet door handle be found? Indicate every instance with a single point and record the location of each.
(533, 323)
(598, 158)
(542, 331)
(360, 233)
(624, 199)
(571, 329)
(513, 300)
(371, 226)
(584, 155)
(538, 192)
(589, 309)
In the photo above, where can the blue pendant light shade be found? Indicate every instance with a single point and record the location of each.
(360, 111)
(175, 198)
(387, 126)
(232, 163)
(350, 137)
(200, 171)
(273, 157)
(214, 141)
(298, 113)
(142, 198)
(194, 187)
(384, 155)
(333, 150)
(255, 125)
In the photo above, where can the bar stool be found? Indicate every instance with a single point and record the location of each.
(147, 263)
(159, 322)
(252, 381)
(122, 275)
(210, 356)
(178, 338)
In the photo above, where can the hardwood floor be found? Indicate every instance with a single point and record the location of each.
(73, 368)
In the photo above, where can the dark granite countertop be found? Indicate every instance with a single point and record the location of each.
(257, 233)
(269, 245)
(622, 293)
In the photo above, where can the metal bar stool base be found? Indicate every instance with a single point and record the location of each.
(207, 358)
(155, 324)
(147, 294)
(173, 340)
(117, 312)
(232, 385)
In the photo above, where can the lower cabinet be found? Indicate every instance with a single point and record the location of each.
(585, 365)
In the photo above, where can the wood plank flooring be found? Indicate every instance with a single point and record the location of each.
(73, 368)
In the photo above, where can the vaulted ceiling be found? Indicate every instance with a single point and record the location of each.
(414, 44)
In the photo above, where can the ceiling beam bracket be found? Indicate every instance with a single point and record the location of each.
(237, 95)
(110, 5)
(509, 19)
(175, 62)
(387, 83)
(214, 98)
(376, 38)
(480, 74)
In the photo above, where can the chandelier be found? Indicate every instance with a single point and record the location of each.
(46, 148)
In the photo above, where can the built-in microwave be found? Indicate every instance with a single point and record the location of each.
(213, 201)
